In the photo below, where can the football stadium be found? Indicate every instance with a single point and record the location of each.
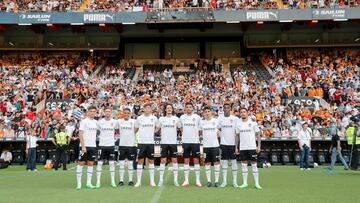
(179, 101)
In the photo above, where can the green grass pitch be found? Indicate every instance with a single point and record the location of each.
(280, 184)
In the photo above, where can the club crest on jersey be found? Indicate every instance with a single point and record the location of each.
(249, 124)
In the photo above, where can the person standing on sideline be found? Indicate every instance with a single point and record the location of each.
(61, 140)
(352, 131)
(227, 127)
(248, 132)
(304, 140)
(87, 135)
(335, 150)
(31, 149)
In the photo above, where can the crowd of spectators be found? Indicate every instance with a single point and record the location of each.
(121, 5)
(301, 4)
(26, 80)
(332, 75)
(329, 75)
(40, 5)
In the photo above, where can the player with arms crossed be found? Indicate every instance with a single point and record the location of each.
(127, 149)
(107, 128)
(145, 126)
(168, 127)
(87, 135)
(227, 126)
(248, 131)
(208, 126)
(189, 124)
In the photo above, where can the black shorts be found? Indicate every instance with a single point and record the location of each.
(248, 155)
(227, 152)
(191, 150)
(128, 153)
(107, 153)
(146, 151)
(211, 154)
(168, 150)
(89, 155)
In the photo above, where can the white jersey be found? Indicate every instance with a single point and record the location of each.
(209, 133)
(89, 127)
(227, 125)
(168, 126)
(247, 132)
(107, 132)
(146, 125)
(190, 128)
(127, 132)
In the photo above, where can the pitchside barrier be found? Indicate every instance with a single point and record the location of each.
(278, 151)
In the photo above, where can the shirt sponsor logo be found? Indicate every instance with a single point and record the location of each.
(189, 124)
(147, 125)
(126, 128)
(209, 129)
(245, 131)
(168, 126)
(107, 129)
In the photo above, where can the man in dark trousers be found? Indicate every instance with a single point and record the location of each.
(352, 133)
(61, 140)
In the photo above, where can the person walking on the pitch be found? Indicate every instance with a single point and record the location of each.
(190, 127)
(168, 127)
(107, 127)
(87, 135)
(61, 140)
(145, 126)
(208, 127)
(249, 133)
(304, 140)
(127, 149)
(335, 150)
(227, 126)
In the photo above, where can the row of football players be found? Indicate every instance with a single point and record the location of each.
(237, 136)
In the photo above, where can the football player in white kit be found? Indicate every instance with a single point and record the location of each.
(87, 136)
(127, 149)
(208, 126)
(168, 126)
(189, 124)
(107, 128)
(145, 126)
(249, 132)
(228, 140)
